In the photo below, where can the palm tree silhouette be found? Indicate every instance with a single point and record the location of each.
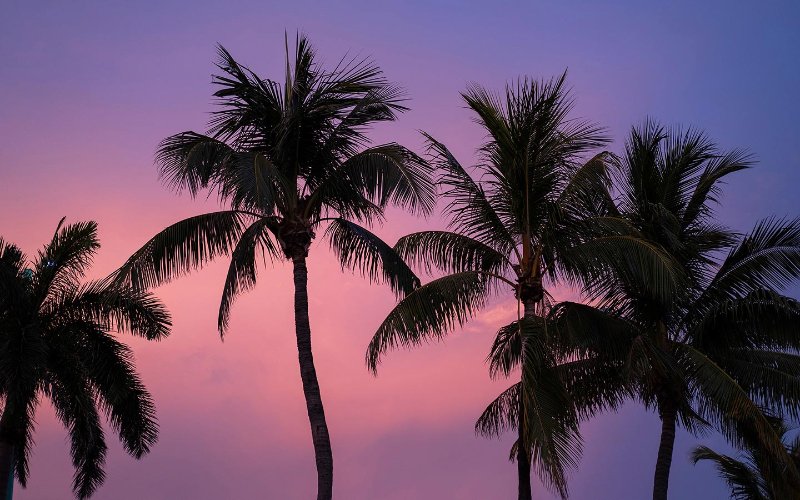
(56, 343)
(518, 224)
(290, 159)
(716, 350)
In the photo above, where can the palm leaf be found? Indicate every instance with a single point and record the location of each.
(182, 247)
(767, 258)
(429, 312)
(361, 250)
(390, 173)
(109, 366)
(728, 403)
(449, 252)
(112, 306)
(65, 259)
(501, 415)
(744, 481)
(469, 209)
(242, 269)
(73, 401)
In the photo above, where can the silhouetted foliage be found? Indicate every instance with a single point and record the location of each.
(57, 342)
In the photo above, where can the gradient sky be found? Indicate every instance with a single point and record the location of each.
(87, 89)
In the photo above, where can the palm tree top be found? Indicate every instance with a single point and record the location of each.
(287, 158)
(299, 147)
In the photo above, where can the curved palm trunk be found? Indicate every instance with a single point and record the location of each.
(316, 413)
(523, 458)
(668, 415)
(6, 460)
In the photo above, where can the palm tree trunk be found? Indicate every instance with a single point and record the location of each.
(668, 415)
(523, 458)
(6, 460)
(316, 412)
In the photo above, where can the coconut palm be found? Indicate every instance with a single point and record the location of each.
(721, 347)
(289, 160)
(515, 226)
(56, 342)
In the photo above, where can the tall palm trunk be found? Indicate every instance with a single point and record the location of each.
(316, 413)
(6, 459)
(668, 414)
(523, 457)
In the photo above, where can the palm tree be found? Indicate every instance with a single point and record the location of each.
(755, 477)
(515, 226)
(288, 160)
(56, 343)
(722, 346)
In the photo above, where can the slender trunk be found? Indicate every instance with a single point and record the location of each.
(6, 460)
(668, 415)
(316, 413)
(523, 457)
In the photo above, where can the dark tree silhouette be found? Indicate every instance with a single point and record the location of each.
(56, 342)
(721, 347)
(516, 225)
(290, 159)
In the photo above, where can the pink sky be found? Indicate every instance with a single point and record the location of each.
(88, 91)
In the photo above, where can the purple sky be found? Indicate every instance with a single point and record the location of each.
(88, 90)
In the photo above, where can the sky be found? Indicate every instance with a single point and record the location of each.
(88, 89)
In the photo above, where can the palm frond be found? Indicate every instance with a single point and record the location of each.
(363, 251)
(506, 352)
(190, 161)
(390, 173)
(469, 209)
(581, 329)
(632, 259)
(248, 105)
(502, 414)
(109, 366)
(73, 401)
(586, 191)
(113, 306)
(745, 482)
(770, 381)
(65, 259)
(550, 419)
(706, 189)
(242, 269)
(761, 319)
(11, 257)
(595, 385)
(449, 252)
(253, 182)
(182, 247)
(767, 258)
(429, 312)
(729, 404)
(13, 294)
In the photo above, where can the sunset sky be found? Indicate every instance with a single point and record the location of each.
(88, 89)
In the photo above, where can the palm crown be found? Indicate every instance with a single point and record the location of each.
(287, 158)
(56, 343)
